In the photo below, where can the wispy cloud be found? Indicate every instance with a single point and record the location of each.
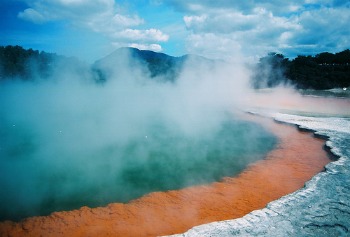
(32, 15)
(100, 16)
(217, 29)
(257, 27)
(141, 35)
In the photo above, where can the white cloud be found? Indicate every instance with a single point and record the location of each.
(100, 16)
(246, 7)
(32, 15)
(257, 26)
(126, 21)
(214, 46)
(141, 35)
(324, 29)
(153, 47)
(232, 21)
(231, 30)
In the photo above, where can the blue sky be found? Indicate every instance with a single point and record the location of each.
(90, 29)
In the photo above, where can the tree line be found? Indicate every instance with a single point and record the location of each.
(322, 71)
(28, 64)
(16, 62)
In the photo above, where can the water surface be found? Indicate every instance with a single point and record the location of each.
(35, 181)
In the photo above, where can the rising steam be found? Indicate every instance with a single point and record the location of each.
(68, 142)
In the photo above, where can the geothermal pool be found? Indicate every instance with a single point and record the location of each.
(37, 178)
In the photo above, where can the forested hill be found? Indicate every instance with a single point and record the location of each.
(28, 64)
(322, 71)
(159, 66)
(19, 63)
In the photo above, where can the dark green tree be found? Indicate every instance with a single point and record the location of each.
(323, 71)
(270, 71)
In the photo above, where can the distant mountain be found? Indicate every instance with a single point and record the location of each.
(158, 66)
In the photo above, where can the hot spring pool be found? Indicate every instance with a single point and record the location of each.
(37, 179)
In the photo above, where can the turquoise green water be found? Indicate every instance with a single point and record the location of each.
(36, 183)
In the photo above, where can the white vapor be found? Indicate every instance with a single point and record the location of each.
(72, 139)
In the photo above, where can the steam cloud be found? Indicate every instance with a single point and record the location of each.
(68, 140)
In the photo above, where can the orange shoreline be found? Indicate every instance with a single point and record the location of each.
(296, 159)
